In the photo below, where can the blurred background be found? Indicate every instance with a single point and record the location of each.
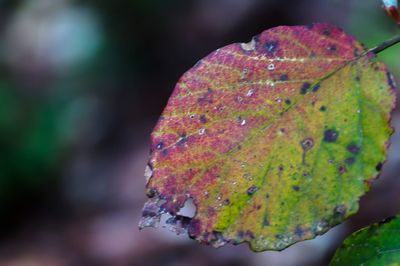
(82, 83)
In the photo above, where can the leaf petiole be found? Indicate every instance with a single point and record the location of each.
(385, 45)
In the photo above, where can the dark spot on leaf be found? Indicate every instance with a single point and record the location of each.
(340, 210)
(160, 146)
(322, 108)
(151, 193)
(284, 77)
(354, 149)
(210, 211)
(270, 47)
(306, 173)
(183, 139)
(206, 97)
(194, 228)
(332, 48)
(356, 52)
(267, 196)
(331, 135)
(249, 234)
(326, 32)
(342, 169)
(316, 87)
(304, 88)
(226, 202)
(296, 188)
(299, 232)
(282, 130)
(164, 152)
(378, 167)
(350, 160)
(266, 221)
(307, 144)
(251, 190)
(357, 78)
(203, 119)
(287, 101)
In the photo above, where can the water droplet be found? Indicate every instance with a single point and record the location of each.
(192, 116)
(271, 67)
(245, 71)
(219, 198)
(243, 122)
(148, 173)
(250, 93)
(278, 100)
(239, 99)
(358, 111)
(202, 131)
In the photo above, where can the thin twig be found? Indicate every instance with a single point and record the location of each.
(385, 45)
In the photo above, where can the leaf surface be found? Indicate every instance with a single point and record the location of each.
(377, 245)
(274, 140)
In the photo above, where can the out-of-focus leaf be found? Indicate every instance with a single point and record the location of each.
(392, 9)
(274, 140)
(377, 245)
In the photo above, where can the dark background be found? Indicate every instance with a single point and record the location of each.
(82, 83)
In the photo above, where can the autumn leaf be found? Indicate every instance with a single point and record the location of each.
(273, 140)
(392, 9)
(377, 245)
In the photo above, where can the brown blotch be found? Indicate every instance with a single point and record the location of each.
(378, 167)
(354, 149)
(203, 119)
(284, 77)
(299, 232)
(331, 135)
(307, 143)
(271, 47)
(304, 88)
(251, 190)
(340, 210)
(342, 169)
(350, 160)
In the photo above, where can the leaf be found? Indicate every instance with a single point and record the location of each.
(274, 141)
(377, 244)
